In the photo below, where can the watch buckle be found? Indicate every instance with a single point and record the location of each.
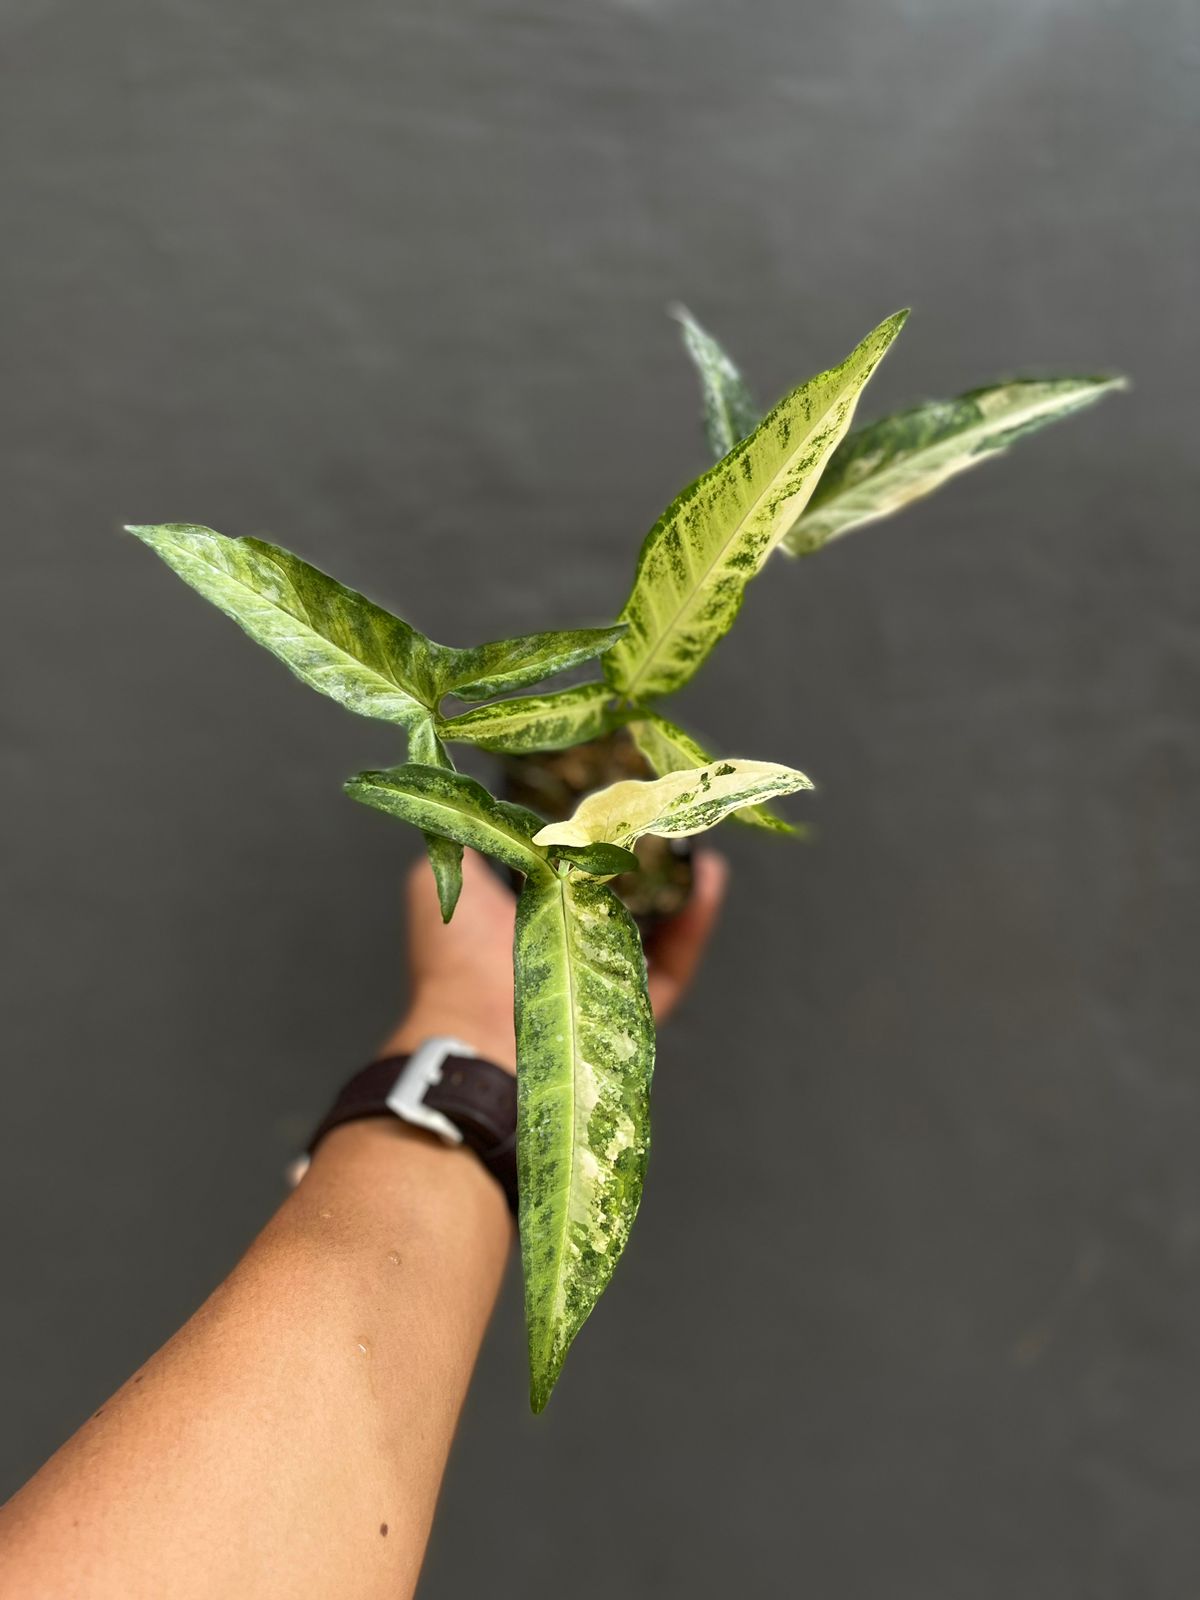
(420, 1072)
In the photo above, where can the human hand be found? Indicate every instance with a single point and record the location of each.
(461, 972)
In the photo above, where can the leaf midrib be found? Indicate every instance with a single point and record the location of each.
(387, 675)
(630, 685)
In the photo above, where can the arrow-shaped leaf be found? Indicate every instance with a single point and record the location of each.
(337, 641)
(585, 1048)
(729, 412)
(458, 808)
(669, 749)
(709, 543)
(553, 721)
(445, 855)
(683, 802)
(885, 466)
(508, 664)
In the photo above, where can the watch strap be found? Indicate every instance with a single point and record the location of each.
(478, 1097)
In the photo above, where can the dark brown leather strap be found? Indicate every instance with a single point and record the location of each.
(478, 1097)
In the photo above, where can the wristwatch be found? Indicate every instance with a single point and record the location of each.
(444, 1087)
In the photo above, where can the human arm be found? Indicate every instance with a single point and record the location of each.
(291, 1438)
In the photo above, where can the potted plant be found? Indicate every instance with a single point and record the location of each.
(790, 481)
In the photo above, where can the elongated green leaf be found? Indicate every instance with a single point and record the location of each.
(669, 749)
(337, 641)
(553, 721)
(492, 669)
(709, 543)
(585, 1053)
(458, 808)
(888, 464)
(729, 412)
(601, 860)
(445, 855)
(688, 801)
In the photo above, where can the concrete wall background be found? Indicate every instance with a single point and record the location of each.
(913, 1306)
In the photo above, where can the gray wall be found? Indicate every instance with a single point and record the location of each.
(913, 1308)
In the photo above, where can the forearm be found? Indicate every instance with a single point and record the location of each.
(306, 1408)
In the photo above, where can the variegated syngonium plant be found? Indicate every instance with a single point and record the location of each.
(794, 480)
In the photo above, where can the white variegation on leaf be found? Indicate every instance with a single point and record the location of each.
(445, 855)
(336, 640)
(880, 469)
(455, 807)
(554, 721)
(668, 748)
(509, 664)
(585, 1053)
(684, 802)
(698, 558)
(729, 412)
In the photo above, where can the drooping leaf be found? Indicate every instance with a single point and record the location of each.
(508, 664)
(337, 641)
(883, 467)
(601, 860)
(445, 855)
(708, 544)
(729, 412)
(684, 802)
(458, 808)
(554, 721)
(585, 1052)
(669, 749)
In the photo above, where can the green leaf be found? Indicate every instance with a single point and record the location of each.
(601, 860)
(492, 669)
(455, 807)
(684, 802)
(585, 1052)
(881, 468)
(553, 721)
(445, 855)
(709, 543)
(729, 412)
(337, 641)
(669, 749)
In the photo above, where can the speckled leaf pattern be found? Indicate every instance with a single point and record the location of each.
(335, 640)
(445, 855)
(458, 808)
(709, 543)
(729, 412)
(669, 749)
(883, 467)
(684, 802)
(554, 721)
(510, 664)
(585, 1050)
(600, 860)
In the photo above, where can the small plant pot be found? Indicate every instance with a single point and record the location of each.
(554, 782)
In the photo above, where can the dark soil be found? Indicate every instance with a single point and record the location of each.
(553, 784)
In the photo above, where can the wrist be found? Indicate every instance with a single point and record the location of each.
(488, 1034)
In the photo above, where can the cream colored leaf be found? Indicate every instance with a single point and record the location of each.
(684, 802)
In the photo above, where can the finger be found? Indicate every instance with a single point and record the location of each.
(675, 948)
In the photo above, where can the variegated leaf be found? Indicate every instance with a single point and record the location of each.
(729, 412)
(668, 748)
(883, 467)
(684, 802)
(554, 721)
(445, 855)
(709, 543)
(508, 664)
(335, 640)
(585, 1051)
(600, 860)
(458, 808)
